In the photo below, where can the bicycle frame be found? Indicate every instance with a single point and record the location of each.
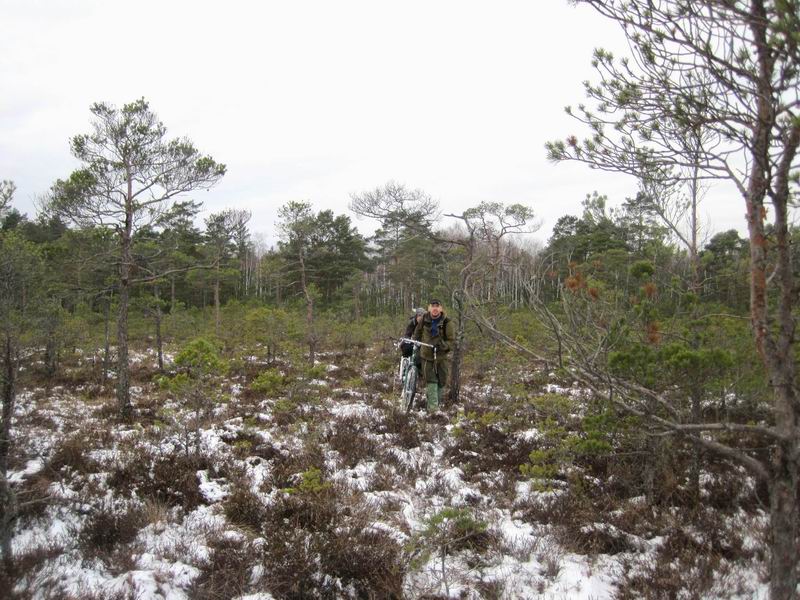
(408, 374)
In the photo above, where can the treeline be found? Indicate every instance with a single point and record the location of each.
(321, 259)
(176, 264)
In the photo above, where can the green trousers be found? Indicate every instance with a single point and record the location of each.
(435, 376)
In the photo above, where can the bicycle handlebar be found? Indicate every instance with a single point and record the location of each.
(415, 342)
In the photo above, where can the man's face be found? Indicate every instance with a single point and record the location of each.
(436, 310)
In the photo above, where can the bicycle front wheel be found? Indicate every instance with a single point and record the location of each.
(410, 388)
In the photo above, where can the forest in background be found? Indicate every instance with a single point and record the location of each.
(686, 345)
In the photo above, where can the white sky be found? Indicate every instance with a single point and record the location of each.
(314, 100)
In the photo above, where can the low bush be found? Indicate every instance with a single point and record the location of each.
(322, 543)
(243, 508)
(400, 425)
(270, 383)
(72, 453)
(228, 571)
(481, 444)
(288, 467)
(170, 479)
(350, 437)
(108, 527)
(688, 564)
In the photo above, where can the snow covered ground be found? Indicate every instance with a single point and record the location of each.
(328, 490)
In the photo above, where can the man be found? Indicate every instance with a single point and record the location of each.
(436, 330)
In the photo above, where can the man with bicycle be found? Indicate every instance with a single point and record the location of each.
(436, 332)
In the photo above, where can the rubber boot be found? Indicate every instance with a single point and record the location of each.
(440, 395)
(432, 392)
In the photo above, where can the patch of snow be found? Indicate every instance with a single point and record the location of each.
(358, 409)
(258, 471)
(212, 490)
(144, 584)
(394, 533)
(181, 574)
(530, 435)
(358, 478)
(31, 468)
(213, 443)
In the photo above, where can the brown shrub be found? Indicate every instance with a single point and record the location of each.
(33, 496)
(244, 509)
(575, 513)
(107, 527)
(343, 373)
(682, 568)
(350, 438)
(402, 426)
(227, 572)
(318, 544)
(248, 443)
(481, 448)
(171, 479)
(287, 467)
(25, 562)
(72, 452)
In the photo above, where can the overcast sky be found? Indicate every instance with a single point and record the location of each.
(315, 100)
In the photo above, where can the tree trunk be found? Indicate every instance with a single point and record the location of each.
(694, 469)
(159, 343)
(775, 333)
(216, 305)
(51, 350)
(356, 302)
(312, 336)
(123, 372)
(454, 394)
(455, 367)
(783, 523)
(107, 349)
(7, 498)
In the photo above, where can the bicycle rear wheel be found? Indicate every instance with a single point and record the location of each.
(410, 388)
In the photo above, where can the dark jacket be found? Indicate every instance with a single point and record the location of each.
(442, 341)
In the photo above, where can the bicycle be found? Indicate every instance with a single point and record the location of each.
(409, 375)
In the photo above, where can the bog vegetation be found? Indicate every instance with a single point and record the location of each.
(181, 401)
